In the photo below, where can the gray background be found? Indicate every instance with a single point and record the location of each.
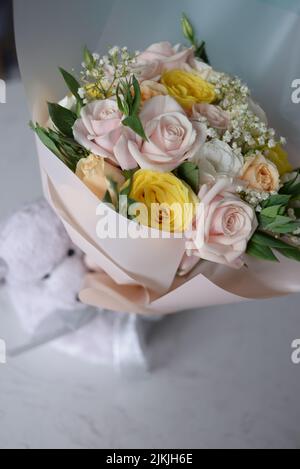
(222, 377)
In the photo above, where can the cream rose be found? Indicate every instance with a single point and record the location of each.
(96, 173)
(100, 131)
(223, 227)
(150, 89)
(261, 174)
(172, 137)
(216, 158)
(217, 118)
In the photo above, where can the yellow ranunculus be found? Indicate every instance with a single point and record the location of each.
(96, 173)
(169, 203)
(188, 88)
(280, 158)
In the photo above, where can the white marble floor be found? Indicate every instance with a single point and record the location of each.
(222, 377)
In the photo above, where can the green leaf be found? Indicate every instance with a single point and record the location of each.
(296, 198)
(189, 173)
(279, 220)
(297, 212)
(112, 195)
(127, 188)
(88, 57)
(62, 118)
(276, 200)
(272, 211)
(286, 229)
(107, 198)
(72, 84)
(137, 96)
(201, 53)
(46, 140)
(291, 253)
(135, 124)
(129, 173)
(291, 187)
(261, 252)
(119, 101)
(294, 190)
(264, 239)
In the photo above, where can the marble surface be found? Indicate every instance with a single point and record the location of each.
(222, 377)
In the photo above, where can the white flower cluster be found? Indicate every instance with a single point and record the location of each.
(100, 75)
(249, 129)
(253, 197)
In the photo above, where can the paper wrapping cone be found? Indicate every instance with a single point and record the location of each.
(139, 275)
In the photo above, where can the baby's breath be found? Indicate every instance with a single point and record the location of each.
(100, 75)
(248, 132)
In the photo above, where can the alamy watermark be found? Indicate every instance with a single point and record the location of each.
(296, 92)
(296, 352)
(138, 221)
(2, 92)
(2, 352)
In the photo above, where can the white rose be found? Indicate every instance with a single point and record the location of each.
(216, 158)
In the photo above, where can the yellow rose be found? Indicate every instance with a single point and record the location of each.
(280, 158)
(261, 174)
(96, 173)
(169, 203)
(188, 88)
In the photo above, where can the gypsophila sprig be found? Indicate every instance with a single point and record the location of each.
(248, 132)
(100, 75)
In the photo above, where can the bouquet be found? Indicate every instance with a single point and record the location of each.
(167, 175)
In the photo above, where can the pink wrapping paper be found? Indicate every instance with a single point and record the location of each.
(139, 276)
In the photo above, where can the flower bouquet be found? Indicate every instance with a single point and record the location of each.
(167, 175)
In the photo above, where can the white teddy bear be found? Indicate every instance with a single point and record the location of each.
(44, 273)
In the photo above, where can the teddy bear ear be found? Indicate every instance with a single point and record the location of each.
(3, 270)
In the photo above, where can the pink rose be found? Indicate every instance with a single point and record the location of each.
(223, 227)
(148, 70)
(217, 118)
(172, 137)
(100, 131)
(161, 57)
